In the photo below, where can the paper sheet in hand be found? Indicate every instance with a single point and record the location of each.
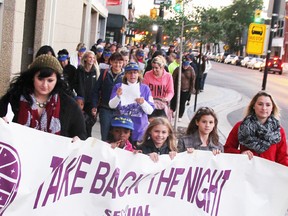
(129, 94)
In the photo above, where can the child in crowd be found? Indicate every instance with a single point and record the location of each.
(120, 132)
(201, 133)
(159, 139)
(142, 106)
(89, 120)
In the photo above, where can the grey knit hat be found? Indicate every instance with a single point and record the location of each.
(47, 61)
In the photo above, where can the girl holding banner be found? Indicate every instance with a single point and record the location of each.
(159, 139)
(202, 133)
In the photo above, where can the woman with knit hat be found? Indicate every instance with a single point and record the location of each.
(40, 99)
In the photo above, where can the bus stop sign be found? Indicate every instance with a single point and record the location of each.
(256, 38)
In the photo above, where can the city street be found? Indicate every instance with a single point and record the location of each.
(248, 82)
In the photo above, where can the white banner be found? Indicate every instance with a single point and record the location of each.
(44, 174)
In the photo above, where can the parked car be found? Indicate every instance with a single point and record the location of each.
(245, 60)
(229, 58)
(254, 61)
(217, 57)
(274, 64)
(237, 60)
(258, 63)
(211, 56)
(221, 57)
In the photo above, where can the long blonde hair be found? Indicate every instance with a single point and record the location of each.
(250, 109)
(96, 66)
(171, 139)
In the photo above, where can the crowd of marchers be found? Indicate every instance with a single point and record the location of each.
(131, 91)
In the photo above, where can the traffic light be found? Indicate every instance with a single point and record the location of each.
(257, 16)
(178, 6)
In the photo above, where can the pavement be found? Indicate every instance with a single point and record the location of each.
(222, 100)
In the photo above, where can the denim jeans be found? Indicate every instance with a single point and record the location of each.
(105, 116)
(202, 82)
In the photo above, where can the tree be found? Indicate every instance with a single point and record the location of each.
(209, 25)
(143, 25)
(235, 19)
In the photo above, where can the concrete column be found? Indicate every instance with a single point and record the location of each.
(87, 27)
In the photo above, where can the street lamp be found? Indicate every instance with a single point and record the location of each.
(155, 28)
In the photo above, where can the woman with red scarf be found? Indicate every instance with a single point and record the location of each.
(41, 99)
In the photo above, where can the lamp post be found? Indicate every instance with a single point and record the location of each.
(155, 29)
(275, 13)
(160, 31)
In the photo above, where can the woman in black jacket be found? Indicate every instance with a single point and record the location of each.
(41, 99)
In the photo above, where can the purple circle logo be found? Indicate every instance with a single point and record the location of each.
(10, 173)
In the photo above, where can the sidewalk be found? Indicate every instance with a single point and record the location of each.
(222, 100)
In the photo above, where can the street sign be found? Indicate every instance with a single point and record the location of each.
(158, 2)
(226, 47)
(256, 39)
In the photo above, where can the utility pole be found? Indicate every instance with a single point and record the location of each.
(275, 14)
(180, 66)
(160, 31)
(179, 77)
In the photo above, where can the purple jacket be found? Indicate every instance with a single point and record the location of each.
(135, 111)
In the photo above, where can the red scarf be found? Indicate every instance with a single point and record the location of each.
(48, 121)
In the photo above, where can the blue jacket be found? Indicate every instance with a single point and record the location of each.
(103, 88)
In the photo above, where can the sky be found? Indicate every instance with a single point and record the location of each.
(142, 7)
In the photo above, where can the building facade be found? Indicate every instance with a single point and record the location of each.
(119, 16)
(26, 25)
(277, 48)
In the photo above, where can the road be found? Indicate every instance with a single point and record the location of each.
(248, 82)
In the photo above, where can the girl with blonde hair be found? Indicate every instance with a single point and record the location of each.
(159, 139)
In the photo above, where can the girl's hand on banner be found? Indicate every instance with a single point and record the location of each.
(5, 119)
(75, 139)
